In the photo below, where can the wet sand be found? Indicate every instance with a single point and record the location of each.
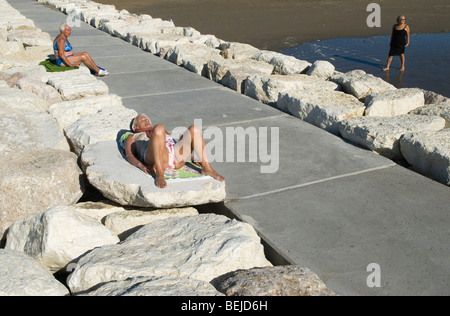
(281, 24)
(427, 60)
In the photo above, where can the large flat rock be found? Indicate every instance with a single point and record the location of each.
(429, 152)
(125, 184)
(200, 247)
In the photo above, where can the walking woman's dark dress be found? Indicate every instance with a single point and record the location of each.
(398, 41)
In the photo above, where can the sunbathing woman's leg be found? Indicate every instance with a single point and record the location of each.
(158, 155)
(192, 141)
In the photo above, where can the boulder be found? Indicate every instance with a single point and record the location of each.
(392, 103)
(21, 275)
(440, 109)
(16, 101)
(68, 112)
(42, 90)
(101, 126)
(323, 109)
(77, 84)
(267, 88)
(429, 152)
(217, 69)
(283, 65)
(200, 247)
(32, 181)
(360, 84)
(322, 69)
(154, 286)
(57, 236)
(382, 134)
(30, 36)
(193, 57)
(121, 182)
(126, 222)
(272, 281)
(8, 48)
(30, 131)
(240, 50)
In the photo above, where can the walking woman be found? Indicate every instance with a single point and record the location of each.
(399, 41)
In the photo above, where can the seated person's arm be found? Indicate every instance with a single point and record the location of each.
(62, 53)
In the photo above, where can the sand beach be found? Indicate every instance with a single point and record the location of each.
(281, 24)
(295, 28)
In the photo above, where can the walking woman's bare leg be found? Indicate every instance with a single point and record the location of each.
(403, 59)
(388, 63)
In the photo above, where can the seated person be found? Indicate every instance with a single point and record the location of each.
(151, 148)
(66, 57)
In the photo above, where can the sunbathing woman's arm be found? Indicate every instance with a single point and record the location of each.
(131, 157)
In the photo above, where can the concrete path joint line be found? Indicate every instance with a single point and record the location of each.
(248, 121)
(318, 181)
(170, 92)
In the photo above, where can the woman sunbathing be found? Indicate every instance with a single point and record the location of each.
(66, 57)
(151, 148)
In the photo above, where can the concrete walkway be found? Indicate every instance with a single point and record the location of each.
(331, 207)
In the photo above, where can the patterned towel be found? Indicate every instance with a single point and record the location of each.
(189, 170)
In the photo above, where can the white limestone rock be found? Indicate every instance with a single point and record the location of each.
(429, 152)
(21, 275)
(16, 101)
(77, 84)
(57, 236)
(30, 131)
(98, 210)
(392, 103)
(240, 50)
(360, 84)
(321, 69)
(8, 48)
(217, 69)
(322, 109)
(30, 36)
(193, 57)
(439, 109)
(34, 180)
(154, 286)
(158, 43)
(283, 64)
(383, 134)
(267, 88)
(101, 126)
(42, 90)
(68, 112)
(126, 222)
(119, 181)
(200, 247)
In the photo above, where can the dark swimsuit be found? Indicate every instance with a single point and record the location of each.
(398, 42)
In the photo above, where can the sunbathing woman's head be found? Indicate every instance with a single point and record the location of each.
(141, 123)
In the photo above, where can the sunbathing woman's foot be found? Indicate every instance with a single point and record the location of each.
(210, 172)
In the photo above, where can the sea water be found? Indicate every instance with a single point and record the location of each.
(427, 59)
